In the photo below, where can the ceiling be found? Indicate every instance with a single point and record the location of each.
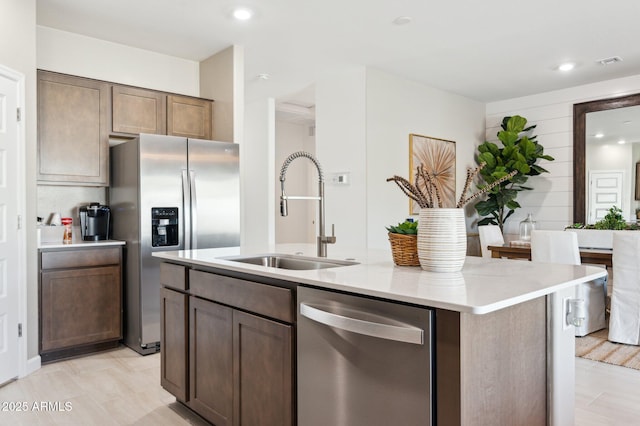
(614, 125)
(487, 51)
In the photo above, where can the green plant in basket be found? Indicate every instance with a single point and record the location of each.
(406, 228)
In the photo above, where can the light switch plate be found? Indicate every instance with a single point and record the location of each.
(341, 178)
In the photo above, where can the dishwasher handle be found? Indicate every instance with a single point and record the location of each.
(405, 333)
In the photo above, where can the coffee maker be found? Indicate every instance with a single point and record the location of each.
(94, 222)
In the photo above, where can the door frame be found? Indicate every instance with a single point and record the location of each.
(19, 79)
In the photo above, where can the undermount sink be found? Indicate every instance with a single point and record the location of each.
(284, 261)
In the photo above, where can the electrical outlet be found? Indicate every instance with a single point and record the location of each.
(565, 311)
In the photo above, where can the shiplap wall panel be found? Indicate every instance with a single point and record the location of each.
(552, 112)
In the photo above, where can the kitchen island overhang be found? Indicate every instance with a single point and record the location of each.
(483, 286)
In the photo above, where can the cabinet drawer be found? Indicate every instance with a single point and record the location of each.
(173, 276)
(263, 299)
(80, 258)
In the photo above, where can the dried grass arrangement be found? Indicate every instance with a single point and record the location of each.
(427, 195)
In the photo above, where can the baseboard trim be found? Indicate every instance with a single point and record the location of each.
(32, 365)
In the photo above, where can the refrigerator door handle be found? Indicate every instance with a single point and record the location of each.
(194, 210)
(186, 214)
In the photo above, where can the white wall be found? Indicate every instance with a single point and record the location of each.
(301, 179)
(551, 201)
(396, 108)
(341, 146)
(18, 52)
(363, 121)
(219, 75)
(257, 186)
(75, 54)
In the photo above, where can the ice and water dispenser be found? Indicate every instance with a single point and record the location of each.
(164, 226)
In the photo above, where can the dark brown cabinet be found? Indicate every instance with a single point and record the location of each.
(189, 117)
(263, 371)
(174, 342)
(240, 346)
(211, 361)
(80, 301)
(137, 111)
(73, 130)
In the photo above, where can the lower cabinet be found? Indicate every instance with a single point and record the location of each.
(211, 361)
(80, 302)
(240, 368)
(174, 342)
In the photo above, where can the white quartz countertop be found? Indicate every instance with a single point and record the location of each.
(76, 244)
(483, 286)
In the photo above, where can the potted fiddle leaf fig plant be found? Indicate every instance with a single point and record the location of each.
(519, 154)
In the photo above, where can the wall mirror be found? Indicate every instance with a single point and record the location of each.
(598, 128)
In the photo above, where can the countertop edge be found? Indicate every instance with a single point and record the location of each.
(81, 244)
(305, 277)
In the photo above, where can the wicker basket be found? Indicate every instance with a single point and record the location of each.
(404, 249)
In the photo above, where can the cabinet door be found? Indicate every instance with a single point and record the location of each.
(137, 111)
(189, 117)
(73, 136)
(174, 332)
(263, 378)
(210, 361)
(80, 306)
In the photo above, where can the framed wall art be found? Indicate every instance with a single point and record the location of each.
(439, 158)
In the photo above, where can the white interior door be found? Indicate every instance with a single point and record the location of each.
(605, 191)
(9, 244)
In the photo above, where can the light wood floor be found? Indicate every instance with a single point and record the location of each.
(120, 387)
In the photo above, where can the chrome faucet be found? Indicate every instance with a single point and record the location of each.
(322, 240)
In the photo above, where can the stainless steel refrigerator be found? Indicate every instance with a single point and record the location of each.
(168, 193)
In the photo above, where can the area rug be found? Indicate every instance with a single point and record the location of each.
(596, 347)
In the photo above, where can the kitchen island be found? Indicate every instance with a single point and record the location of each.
(501, 352)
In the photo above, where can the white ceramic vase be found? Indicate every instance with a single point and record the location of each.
(442, 239)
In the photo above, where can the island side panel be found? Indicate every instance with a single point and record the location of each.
(501, 374)
(447, 368)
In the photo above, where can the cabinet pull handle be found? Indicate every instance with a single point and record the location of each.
(401, 333)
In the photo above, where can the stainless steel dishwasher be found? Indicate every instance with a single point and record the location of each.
(362, 361)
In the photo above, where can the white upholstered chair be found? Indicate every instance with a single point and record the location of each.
(562, 247)
(490, 235)
(624, 320)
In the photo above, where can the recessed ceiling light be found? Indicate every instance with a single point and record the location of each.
(621, 142)
(402, 20)
(567, 66)
(242, 13)
(627, 122)
(599, 135)
(264, 76)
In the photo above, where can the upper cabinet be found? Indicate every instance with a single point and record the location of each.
(73, 131)
(189, 117)
(77, 115)
(137, 111)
